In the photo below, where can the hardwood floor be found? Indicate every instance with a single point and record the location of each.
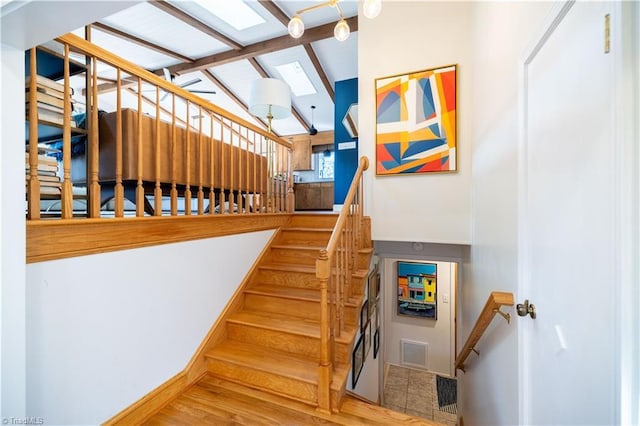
(213, 401)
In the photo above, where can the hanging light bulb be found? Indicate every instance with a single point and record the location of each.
(341, 31)
(372, 8)
(296, 27)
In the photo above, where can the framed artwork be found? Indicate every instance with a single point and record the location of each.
(417, 289)
(357, 359)
(416, 122)
(372, 287)
(364, 314)
(367, 339)
(376, 343)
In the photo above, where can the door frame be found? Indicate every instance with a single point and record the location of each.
(625, 48)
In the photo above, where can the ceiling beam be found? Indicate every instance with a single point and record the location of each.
(278, 13)
(141, 42)
(188, 19)
(320, 32)
(318, 66)
(264, 74)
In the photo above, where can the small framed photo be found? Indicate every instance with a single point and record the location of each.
(376, 343)
(357, 361)
(367, 339)
(364, 314)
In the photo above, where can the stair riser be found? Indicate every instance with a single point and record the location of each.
(293, 256)
(272, 304)
(313, 221)
(244, 374)
(358, 286)
(306, 346)
(312, 238)
(302, 309)
(288, 279)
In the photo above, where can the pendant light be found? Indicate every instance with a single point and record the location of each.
(312, 130)
(371, 9)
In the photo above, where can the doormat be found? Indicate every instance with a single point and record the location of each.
(447, 390)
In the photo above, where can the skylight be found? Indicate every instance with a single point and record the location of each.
(234, 12)
(297, 79)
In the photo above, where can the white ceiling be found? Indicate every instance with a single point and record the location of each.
(338, 59)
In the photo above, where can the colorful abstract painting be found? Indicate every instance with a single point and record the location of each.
(417, 289)
(416, 122)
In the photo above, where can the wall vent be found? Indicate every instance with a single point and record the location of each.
(413, 353)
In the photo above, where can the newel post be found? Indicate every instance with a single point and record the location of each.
(324, 368)
(291, 197)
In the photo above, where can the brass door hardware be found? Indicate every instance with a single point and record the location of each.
(525, 309)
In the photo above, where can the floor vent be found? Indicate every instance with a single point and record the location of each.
(413, 353)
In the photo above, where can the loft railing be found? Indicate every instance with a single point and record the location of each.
(182, 156)
(496, 300)
(334, 268)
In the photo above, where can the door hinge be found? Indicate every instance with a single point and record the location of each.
(607, 33)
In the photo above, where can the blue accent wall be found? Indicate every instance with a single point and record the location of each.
(346, 161)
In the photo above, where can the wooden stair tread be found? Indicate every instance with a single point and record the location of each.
(273, 362)
(265, 360)
(307, 269)
(297, 247)
(381, 415)
(293, 293)
(277, 322)
(285, 323)
(306, 229)
(212, 400)
(289, 267)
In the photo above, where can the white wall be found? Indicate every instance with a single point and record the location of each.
(501, 32)
(437, 334)
(12, 234)
(23, 25)
(104, 330)
(411, 36)
(368, 384)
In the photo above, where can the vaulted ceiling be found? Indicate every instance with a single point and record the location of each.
(194, 44)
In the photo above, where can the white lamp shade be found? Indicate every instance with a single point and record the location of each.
(270, 93)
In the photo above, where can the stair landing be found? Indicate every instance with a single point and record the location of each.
(213, 401)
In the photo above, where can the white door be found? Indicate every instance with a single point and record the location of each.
(566, 223)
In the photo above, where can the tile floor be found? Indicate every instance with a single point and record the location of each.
(414, 394)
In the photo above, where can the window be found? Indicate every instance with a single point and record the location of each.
(323, 162)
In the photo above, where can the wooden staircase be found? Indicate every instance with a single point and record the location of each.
(272, 341)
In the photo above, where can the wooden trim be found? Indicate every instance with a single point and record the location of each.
(149, 77)
(195, 23)
(141, 42)
(277, 13)
(197, 366)
(320, 32)
(141, 410)
(494, 302)
(59, 239)
(318, 66)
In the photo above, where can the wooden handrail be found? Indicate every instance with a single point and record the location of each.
(135, 70)
(491, 308)
(131, 157)
(334, 274)
(335, 235)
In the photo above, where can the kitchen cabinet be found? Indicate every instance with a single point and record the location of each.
(314, 196)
